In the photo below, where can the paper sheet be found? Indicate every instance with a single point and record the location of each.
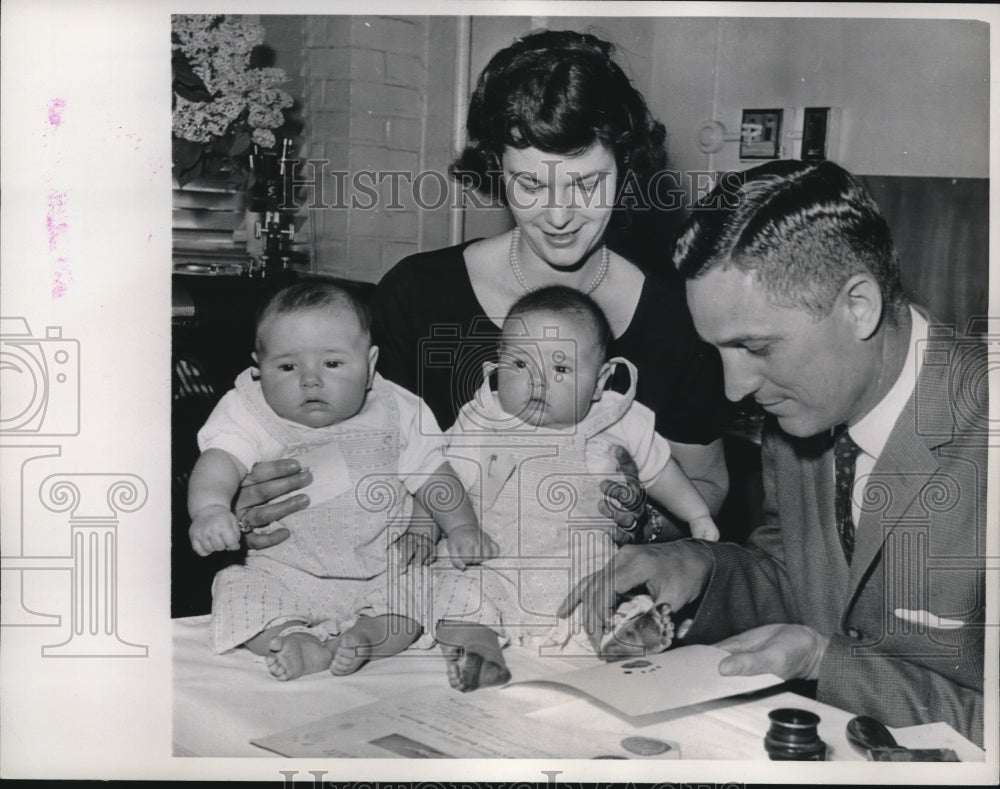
(441, 723)
(669, 680)
(939, 735)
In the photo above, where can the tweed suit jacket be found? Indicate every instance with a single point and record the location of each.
(906, 617)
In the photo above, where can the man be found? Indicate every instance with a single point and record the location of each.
(880, 596)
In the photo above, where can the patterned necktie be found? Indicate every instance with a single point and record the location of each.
(845, 453)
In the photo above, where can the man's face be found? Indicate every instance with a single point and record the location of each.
(812, 374)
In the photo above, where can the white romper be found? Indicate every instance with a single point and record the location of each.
(536, 492)
(332, 567)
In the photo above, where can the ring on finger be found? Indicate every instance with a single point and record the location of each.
(244, 524)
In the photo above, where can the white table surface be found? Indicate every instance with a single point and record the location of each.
(222, 702)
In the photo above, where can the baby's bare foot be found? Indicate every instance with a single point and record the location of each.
(352, 652)
(296, 654)
(468, 670)
(648, 633)
(472, 654)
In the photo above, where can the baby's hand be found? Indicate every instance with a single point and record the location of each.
(704, 528)
(470, 545)
(414, 547)
(214, 529)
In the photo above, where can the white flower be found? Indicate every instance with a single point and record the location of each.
(246, 99)
(263, 138)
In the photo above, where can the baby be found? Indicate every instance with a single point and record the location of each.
(321, 599)
(532, 454)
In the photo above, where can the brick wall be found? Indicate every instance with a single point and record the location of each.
(377, 99)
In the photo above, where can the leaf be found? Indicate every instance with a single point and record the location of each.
(194, 95)
(188, 159)
(240, 145)
(186, 153)
(185, 175)
(187, 83)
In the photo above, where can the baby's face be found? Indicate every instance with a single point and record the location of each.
(551, 369)
(315, 365)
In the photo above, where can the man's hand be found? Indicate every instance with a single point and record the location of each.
(266, 481)
(470, 545)
(674, 573)
(214, 529)
(789, 651)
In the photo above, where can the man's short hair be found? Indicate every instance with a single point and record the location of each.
(566, 301)
(802, 228)
(315, 294)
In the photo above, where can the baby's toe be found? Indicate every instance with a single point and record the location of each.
(349, 657)
(454, 674)
(277, 668)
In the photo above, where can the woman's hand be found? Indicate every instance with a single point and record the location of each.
(626, 503)
(266, 481)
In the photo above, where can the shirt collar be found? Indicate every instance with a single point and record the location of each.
(872, 431)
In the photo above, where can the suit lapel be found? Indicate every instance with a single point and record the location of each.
(904, 467)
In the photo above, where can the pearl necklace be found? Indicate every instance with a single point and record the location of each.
(515, 265)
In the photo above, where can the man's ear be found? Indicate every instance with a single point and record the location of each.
(863, 302)
(602, 380)
(372, 358)
(254, 357)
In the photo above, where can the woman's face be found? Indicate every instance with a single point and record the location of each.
(562, 204)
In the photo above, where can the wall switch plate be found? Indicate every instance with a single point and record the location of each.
(820, 133)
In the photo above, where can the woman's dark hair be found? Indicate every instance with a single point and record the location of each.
(558, 91)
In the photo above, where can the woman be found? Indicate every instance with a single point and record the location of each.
(555, 129)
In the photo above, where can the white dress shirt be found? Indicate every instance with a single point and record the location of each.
(873, 430)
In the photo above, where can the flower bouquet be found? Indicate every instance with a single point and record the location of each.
(222, 106)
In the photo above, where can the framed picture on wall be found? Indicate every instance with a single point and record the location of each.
(760, 134)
